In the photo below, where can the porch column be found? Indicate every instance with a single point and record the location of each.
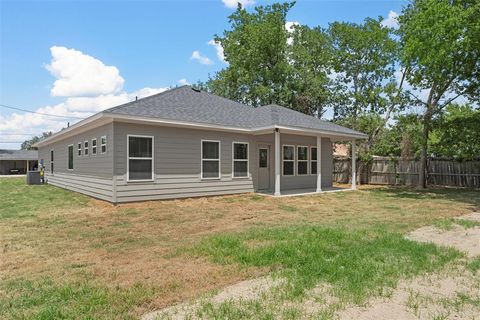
(277, 163)
(319, 164)
(27, 166)
(354, 168)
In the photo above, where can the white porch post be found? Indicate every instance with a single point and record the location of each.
(319, 164)
(277, 163)
(28, 166)
(354, 168)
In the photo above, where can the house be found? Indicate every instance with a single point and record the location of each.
(17, 161)
(186, 143)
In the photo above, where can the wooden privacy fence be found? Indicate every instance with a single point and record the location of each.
(397, 171)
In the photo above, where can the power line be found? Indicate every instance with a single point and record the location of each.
(41, 113)
(12, 141)
(18, 134)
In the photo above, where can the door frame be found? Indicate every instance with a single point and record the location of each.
(266, 146)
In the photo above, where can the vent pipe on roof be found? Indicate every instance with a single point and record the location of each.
(136, 98)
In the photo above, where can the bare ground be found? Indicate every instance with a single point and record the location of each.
(453, 293)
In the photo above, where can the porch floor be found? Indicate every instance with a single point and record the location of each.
(302, 192)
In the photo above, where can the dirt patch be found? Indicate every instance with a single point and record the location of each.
(463, 239)
(244, 290)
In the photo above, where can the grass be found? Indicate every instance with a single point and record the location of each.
(449, 223)
(357, 264)
(66, 255)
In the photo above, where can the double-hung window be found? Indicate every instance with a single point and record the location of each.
(288, 160)
(210, 159)
(94, 146)
(70, 157)
(313, 160)
(85, 148)
(140, 158)
(103, 144)
(79, 149)
(302, 160)
(240, 160)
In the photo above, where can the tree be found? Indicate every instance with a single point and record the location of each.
(310, 57)
(456, 134)
(27, 144)
(256, 51)
(365, 58)
(440, 42)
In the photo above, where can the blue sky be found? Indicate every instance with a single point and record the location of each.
(150, 43)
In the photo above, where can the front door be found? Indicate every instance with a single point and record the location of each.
(263, 168)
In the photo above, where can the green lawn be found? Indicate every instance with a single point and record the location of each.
(67, 256)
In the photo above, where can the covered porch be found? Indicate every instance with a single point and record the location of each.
(301, 163)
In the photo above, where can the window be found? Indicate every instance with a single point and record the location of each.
(51, 161)
(85, 148)
(302, 160)
(263, 158)
(240, 160)
(313, 160)
(94, 146)
(140, 158)
(79, 149)
(70, 157)
(103, 144)
(210, 159)
(288, 160)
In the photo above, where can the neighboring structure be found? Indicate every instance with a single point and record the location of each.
(340, 150)
(17, 161)
(186, 143)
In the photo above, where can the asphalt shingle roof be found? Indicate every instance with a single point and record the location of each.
(191, 105)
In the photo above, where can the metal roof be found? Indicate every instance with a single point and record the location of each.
(18, 154)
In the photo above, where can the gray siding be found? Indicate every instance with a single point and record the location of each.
(92, 174)
(303, 181)
(177, 164)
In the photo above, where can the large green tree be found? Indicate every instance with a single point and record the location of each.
(255, 48)
(365, 58)
(441, 50)
(27, 144)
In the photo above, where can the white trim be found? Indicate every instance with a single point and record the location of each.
(319, 164)
(94, 147)
(86, 148)
(80, 149)
(277, 159)
(208, 159)
(283, 160)
(140, 158)
(354, 165)
(68, 160)
(103, 144)
(243, 160)
(311, 160)
(307, 161)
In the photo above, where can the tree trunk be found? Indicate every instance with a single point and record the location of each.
(427, 119)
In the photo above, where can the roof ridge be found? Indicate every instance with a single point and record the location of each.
(147, 97)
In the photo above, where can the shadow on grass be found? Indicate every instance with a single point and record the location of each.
(470, 196)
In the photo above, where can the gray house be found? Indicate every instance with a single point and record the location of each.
(187, 143)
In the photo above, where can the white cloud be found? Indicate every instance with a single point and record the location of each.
(391, 21)
(290, 27)
(232, 4)
(79, 74)
(218, 47)
(14, 126)
(201, 59)
(183, 82)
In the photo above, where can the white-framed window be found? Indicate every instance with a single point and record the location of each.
(140, 158)
(103, 144)
(240, 160)
(313, 160)
(288, 160)
(302, 160)
(85, 148)
(210, 159)
(94, 146)
(79, 149)
(70, 157)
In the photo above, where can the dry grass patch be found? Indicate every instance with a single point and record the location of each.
(54, 234)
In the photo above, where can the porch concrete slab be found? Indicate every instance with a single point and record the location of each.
(302, 192)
